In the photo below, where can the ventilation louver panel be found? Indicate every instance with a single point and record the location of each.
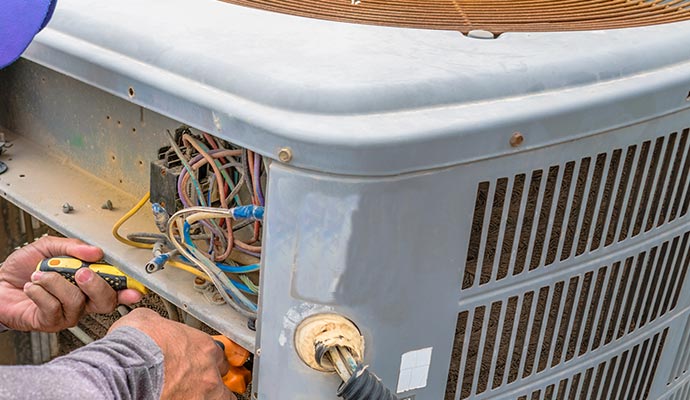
(502, 342)
(623, 377)
(532, 220)
(497, 16)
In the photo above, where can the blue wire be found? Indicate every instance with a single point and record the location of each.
(188, 239)
(231, 268)
(241, 286)
(251, 305)
(238, 269)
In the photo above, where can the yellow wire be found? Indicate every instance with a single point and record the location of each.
(172, 263)
(125, 218)
(187, 268)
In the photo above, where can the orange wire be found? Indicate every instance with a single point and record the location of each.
(255, 197)
(221, 192)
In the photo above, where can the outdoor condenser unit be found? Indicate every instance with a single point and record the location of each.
(495, 193)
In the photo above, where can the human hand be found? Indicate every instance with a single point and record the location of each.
(45, 301)
(194, 364)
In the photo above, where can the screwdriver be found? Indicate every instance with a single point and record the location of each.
(238, 377)
(68, 267)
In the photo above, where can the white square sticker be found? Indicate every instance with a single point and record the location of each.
(414, 369)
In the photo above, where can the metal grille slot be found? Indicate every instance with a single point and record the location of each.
(682, 362)
(628, 375)
(511, 339)
(533, 220)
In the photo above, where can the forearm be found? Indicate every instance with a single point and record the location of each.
(125, 365)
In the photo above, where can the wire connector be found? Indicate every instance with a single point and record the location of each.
(160, 217)
(255, 213)
(157, 263)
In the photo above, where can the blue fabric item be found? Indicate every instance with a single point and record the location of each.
(20, 21)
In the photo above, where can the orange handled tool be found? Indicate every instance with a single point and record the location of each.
(239, 376)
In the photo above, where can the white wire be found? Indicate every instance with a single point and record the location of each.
(206, 265)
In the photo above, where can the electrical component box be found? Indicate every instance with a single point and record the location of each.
(499, 218)
(164, 175)
(165, 172)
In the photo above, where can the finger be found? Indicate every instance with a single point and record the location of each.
(221, 361)
(71, 299)
(128, 296)
(223, 393)
(102, 299)
(49, 310)
(51, 246)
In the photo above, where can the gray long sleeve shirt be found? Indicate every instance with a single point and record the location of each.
(125, 365)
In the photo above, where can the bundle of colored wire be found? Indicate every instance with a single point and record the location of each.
(212, 178)
(179, 226)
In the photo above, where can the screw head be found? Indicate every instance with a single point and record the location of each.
(285, 154)
(108, 205)
(199, 281)
(517, 139)
(67, 208)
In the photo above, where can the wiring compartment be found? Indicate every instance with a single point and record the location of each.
(36, 182)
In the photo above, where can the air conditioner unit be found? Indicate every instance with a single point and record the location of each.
(495, 193)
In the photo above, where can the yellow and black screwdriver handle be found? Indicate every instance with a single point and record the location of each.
(68, 266)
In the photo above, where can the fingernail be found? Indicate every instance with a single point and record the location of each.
(36, 276)
(83, 275)
(27, 285)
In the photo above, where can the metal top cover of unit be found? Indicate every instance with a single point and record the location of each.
(367, 100)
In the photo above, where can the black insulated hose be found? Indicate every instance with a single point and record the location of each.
(364, 385)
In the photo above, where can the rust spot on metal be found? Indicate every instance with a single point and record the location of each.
(516, 139)
(495, 16)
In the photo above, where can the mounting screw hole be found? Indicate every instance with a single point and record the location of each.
(131, 91)
(22, 176)
(107, 117)
(134, 130)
